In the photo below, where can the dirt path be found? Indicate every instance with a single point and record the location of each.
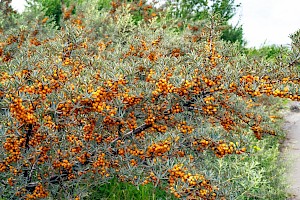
(292, 145)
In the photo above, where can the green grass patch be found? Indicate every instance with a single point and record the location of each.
(115, 190)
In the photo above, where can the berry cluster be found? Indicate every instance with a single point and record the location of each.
(158, 149)
(198, 186)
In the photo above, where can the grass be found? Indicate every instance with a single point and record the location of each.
(116, 190)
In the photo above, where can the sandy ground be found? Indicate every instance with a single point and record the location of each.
(292, 149)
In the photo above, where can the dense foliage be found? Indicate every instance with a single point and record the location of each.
(7, 14)
(107, 96)
(185, 10)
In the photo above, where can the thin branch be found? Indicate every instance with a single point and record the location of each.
(134, 131)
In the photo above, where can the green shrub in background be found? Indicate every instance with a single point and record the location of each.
(198, 10)
(55, 8)
(268, 52)
(105, 96)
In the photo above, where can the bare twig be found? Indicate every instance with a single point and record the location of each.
(134, 131)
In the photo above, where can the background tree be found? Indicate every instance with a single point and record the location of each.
(199, 10)
(55, 8)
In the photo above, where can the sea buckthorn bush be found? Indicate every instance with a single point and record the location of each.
(104, 96)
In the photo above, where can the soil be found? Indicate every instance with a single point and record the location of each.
(292, 146)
